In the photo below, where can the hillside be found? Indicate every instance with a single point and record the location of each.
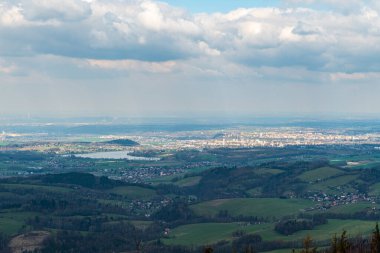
(273, 204)
(123, 142)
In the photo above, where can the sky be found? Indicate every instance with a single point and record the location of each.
(210, 6)
(144, 58)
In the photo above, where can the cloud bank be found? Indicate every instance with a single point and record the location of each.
(309, 42)
(153, 31)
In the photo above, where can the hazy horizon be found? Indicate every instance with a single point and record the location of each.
(193, 119)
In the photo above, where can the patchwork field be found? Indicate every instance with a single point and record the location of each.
(208, 233)
(45, 188)
(133, 192)
(329, 184)
(353, 208)
(11, 222)
(102, 211)
(188, 181)
(374, 190)
(268, 171)
(319, 174)
(261, 207)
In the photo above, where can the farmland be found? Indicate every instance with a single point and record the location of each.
(262, 207)
(191, 198)
(210, 233)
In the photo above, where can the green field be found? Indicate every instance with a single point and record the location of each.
(8, 195)
(374, 190)
(46, 188)
(141, 224)
(319, 174)
(12, 222)
(261, 207)
(262, 171)
(133, 192)
(254, 192)
(209, 233)
(352, 208)
(327, 185)
(188, 181)
(325, 232)
(169, 179)
(10, 226)
(204, 233)
(163, 180)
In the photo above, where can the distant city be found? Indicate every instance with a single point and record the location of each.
(229, 137)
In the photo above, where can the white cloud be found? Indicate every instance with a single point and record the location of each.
(11, 16)
(146, 34)
(65, 11)
(343, 6)
(7, 68)
(132, 65)
(205, 48)
(354, 76)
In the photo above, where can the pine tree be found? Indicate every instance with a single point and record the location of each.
(334, 244)
(308, 245)
(375, 240)
(208, 250)
(343, 244)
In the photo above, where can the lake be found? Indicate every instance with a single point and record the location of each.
(116, 155)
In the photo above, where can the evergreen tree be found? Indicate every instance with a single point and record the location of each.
(375, 240)
(308, 245)
(343, 244)
(334, 244)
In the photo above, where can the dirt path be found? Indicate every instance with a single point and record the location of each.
(28, 242)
